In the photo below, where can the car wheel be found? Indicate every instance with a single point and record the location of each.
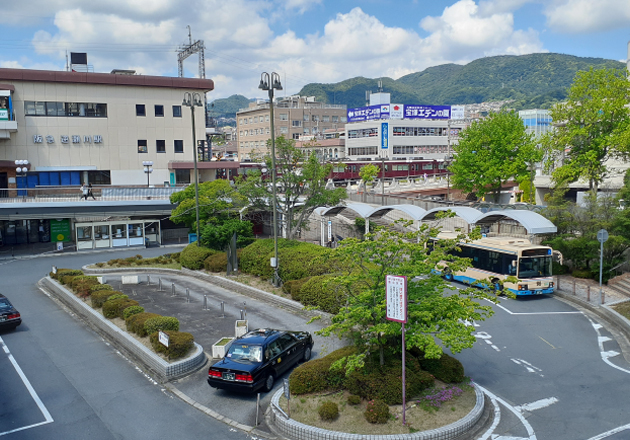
(307, 354)
(269, 382)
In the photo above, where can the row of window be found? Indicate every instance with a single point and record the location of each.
(313, 118)
(364, 132)
(410, 149)
(158, 110)
(254, 132)
(62, 178)
(420, 131)
(160, 146)
(254, 119)
(71, 109)
(362, 151)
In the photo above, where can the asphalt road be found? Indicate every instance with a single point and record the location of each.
(556, 373)
(60, 380)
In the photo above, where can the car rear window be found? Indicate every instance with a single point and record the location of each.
(245, 352)
(5, 304)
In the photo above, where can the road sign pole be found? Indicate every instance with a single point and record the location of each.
(602, 237)
(404, 400)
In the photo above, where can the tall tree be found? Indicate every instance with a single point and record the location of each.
(368, 173)
(433, 315)
(491, 152)
(592, 126)
(300, 186)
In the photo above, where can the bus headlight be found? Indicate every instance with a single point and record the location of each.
(551, 284)
(522, 287)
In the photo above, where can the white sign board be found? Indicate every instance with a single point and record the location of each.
(458, 112)
(396, 297)
(163, 338)
(329, 230)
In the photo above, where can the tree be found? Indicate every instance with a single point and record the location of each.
(218, 201)
(592, 126)
(491, 152)
(432, 314)
(368, 173)
(217, 234)
(300, 186)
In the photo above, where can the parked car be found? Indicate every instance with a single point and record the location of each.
(255, 360)
(9, 316)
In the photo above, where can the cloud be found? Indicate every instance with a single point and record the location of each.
(301, 6)
(581, 16)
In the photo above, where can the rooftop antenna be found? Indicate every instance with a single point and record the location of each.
(187, 50)
(380, 86)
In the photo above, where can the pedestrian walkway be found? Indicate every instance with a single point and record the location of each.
(588, 291)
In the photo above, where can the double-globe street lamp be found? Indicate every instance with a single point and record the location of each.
(271, 83)
(21, 168)
(193, 100)
(147, 164)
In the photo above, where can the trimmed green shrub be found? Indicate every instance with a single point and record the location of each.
(135, 323)
(315, 376)
(216, 262)
(67, 279)
(582, 273)
(81, 284)
(100, 296)
(163, 323)
(377, 411)
(354, 400)
(118, 295)
(447, 368)
(113, 308)
(328, 411)
(99, 287)
(254, 259)
(175, 256)
(559, 269)
(114, 262)
(303, 260)
(132, 310)
(324, 293)
(193, 256)
(294, 288)
(179, 344)
(60, 272)
(385, 382)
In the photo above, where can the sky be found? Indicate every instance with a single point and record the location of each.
(305, 41)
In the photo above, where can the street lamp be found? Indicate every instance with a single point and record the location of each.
(447, 162)
(269, 83)
(193, 100)
(147, 164)
(20, 171)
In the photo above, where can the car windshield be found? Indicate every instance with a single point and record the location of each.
(4, 304)
(245, 352)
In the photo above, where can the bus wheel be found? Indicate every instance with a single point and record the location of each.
(448, 274)
(497, 285)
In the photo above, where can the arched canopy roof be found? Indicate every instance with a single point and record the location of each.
(361, 209)
(469, 215)
(415, 212)
(533, 222)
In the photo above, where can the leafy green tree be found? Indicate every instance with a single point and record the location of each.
(433, 315)
(592, 127)
(218, 201)
(217, 234)
(368, 173)
(491, 152)
(300, 186)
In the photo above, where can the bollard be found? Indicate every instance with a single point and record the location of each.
(187, 295)
(558, 283)
(173, 293)
(245, 309)
(574, 287)
(588, 293)
(159, 284)
(603, 297)
(257, 406)
(205, 302)
(148, 280)
(223, 308)
(242, 316)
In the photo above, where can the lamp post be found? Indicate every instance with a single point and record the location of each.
(447, 162)
(269, 83)
(147, 164)
(193, 100)
(20, 171)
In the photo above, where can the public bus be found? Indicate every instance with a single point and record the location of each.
(496, 258)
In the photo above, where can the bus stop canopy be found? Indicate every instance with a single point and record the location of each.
(533, 222)
(469, 215)
(415, 212)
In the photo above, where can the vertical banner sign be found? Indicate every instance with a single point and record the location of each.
(396, 306)
(384, 135)
(329, 230)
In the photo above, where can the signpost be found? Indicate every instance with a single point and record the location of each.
(163, 338)
(396, 306)
(602, 237)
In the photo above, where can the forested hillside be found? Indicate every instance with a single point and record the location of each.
(228, 107)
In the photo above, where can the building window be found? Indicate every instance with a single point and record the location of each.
(99, 177)
(284, 130)
(142, 146)
(284, 116)
(250, 121)
(245, 121)
(335, 119)
(178, 145)
(326, 118)
(307, 130)
(296, 136)
(267, 130)
(266, 118)
(182, 176)
(305, 117)
(315, 118)
(54, 108)
(296, 123)
(159, 111)
(177, 111)
(140, 110)
(260, 119)
(160, 146)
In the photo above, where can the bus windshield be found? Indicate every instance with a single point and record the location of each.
(533, 267)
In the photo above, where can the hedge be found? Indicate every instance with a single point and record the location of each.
(132, 310)
(323, 293)
(193, 256)
(294, 288)
(303, 260)
(135, 323)
(100, 296)
(254, 258)
(446, 368)
(216, 262)
(315, 376)
(163, 323)
(99, 287)
(60, 272)
(113, 308)
(179, 344)
(82, 284)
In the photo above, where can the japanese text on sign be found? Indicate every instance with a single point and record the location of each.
(396, 298)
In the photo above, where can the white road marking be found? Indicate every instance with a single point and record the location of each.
(606, 355)
(523, 420)
(486, 337)
(507, 438)
(529, 367)
(611, 432)
(48, 418)
(536, 313)
(542, 403)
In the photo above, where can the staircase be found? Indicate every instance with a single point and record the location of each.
(621, 284)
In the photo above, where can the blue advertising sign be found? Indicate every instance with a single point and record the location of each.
(427, 112)
(384, 135)
(367, 113)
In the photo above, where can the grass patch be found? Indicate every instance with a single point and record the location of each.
(419, 416)
(623, 309)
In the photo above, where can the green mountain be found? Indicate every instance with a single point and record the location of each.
(227, 107)
(532, 81)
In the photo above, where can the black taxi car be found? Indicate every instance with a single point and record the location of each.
(256, 359)
(9, 316)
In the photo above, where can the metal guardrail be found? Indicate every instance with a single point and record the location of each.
(72, 194)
